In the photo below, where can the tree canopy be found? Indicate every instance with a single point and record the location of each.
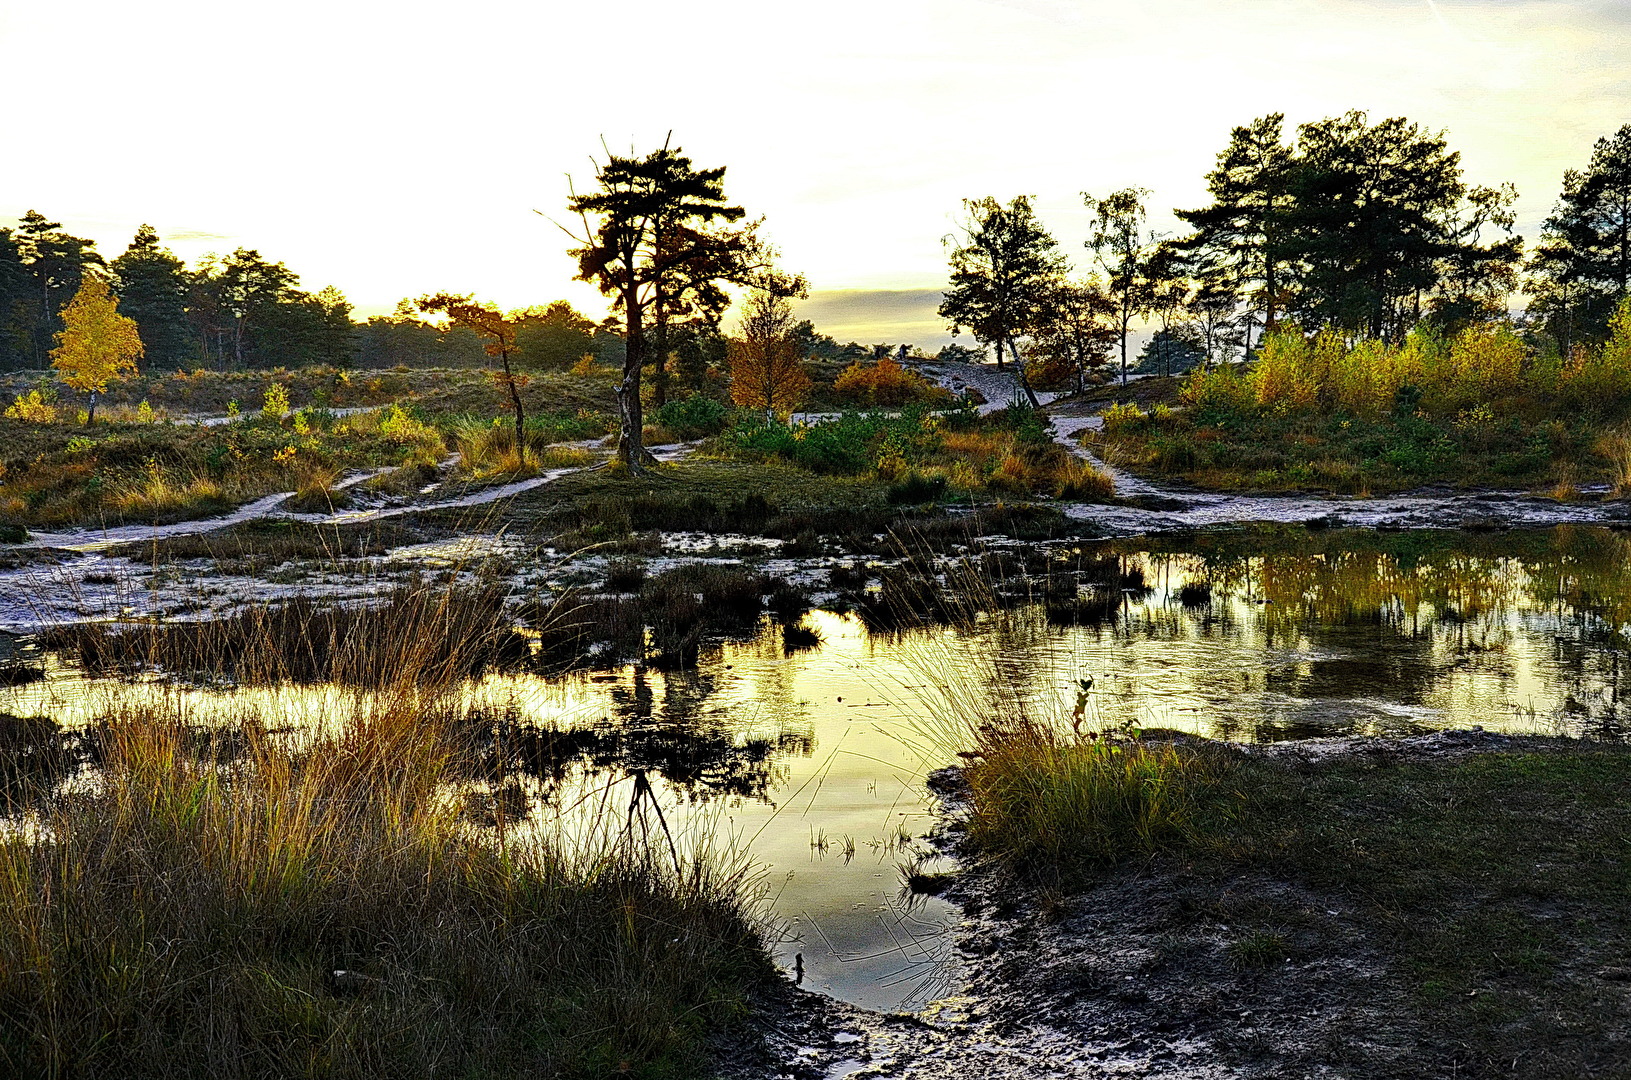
(647, 220)
(96, 343)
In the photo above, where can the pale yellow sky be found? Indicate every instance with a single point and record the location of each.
(397, 148)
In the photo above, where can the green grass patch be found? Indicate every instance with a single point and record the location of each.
(1495, 886)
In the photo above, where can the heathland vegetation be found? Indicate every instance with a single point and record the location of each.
(363, 897)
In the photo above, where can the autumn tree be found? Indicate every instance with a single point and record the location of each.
(1004, 267)
(498, 334)
(1076, 333)
(767, 367)
(96, 343)
(1122, 251)
(647, 218)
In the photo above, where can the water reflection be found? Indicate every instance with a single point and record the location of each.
(811, 755)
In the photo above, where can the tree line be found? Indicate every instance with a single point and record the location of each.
(243, 311)
(1369, 229)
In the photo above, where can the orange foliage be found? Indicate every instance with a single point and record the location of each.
(767, 375)
(884, 383)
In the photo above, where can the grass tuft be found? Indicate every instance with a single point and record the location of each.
(1056, 805)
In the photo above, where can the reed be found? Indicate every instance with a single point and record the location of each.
(241, 900)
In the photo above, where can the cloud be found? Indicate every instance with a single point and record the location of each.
(878, 315)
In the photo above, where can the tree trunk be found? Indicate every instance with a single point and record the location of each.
(520, 417)
(90, 414)
(1124, 321)
(631, 450)
(1024, 383)
(659, 362)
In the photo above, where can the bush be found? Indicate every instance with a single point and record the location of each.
(1218, 393)
(36, 406)
(1123, 417)
(885, 383)
(915, 488)
(694, 417)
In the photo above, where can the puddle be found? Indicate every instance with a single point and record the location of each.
(811, 761)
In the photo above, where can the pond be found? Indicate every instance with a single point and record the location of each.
(808, 751)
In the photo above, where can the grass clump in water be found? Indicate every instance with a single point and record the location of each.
(1056, 805)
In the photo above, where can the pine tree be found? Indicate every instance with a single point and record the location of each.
(153, 291)
(1582, 269)
(17, 306)
(650, 216)
(56, 264)
(1242, 234)
(96, 343)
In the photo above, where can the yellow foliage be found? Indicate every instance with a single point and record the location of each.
(96, 343)
(1481, 366)
(36, 407)
(1283, 375)
(1595, 377)
(1221, 389)
(1122, 417)
(275, 401)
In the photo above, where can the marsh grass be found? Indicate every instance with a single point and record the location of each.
(418, 634)
(240, 900)
(1057, 805)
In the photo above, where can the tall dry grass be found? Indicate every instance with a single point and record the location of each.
(250, 902)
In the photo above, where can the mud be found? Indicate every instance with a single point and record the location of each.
(1133, 979)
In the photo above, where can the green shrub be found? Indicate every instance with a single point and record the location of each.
(694, 417)
(915, 488)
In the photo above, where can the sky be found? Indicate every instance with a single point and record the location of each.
(394, 149)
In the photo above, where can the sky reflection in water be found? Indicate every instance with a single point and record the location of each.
(811, 759)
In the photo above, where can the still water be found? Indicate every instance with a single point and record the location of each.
(812, 759)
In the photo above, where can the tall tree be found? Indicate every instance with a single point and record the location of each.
(96, 343)
(555, 337)
(767, 368)
(1214, 312)
(234, 305)
(1004, 268)
(1482, 264)
(1076, 332)
(1242, 233)
(153, 291)
(632, 241)
(498, 333)
(1582, 269)
(693, 266)
(1375, 214)
(17, 306)
(1167, 292)
(1122, 250)
(56, 263)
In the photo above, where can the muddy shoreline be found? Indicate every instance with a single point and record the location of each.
(1133, 977)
